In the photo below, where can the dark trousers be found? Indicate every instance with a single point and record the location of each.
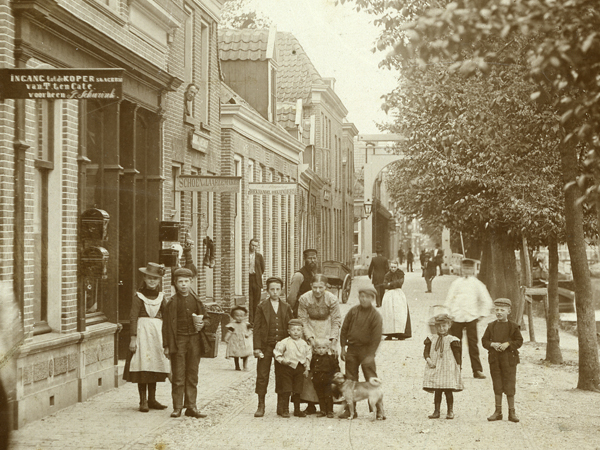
(185, 371)
(322, 384)
(439, 264)
(289, 380)
(263, 369)
(254, 294)
(360, 357)
(429, 282)
(409, 266)
(504, 376)
(380, 293)
(457, 330)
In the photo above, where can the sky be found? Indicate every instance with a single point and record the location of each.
(339, 42)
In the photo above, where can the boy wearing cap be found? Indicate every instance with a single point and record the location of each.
(502, 339)
(361, 332)
(271, 320)
(184, 342)
(292, 362)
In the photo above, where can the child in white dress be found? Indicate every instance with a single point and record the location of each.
(442, 371)
(239, 337)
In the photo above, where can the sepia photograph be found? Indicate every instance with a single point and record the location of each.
(299, 224)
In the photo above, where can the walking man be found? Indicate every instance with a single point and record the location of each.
(377, 270)
(438, 258)
(468, 301)
(302, 279)
(256, 267)
(410, 258)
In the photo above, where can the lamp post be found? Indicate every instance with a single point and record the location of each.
(368, 205)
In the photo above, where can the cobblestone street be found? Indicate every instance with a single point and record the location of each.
(553, 414)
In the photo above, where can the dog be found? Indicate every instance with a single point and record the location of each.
(354, 391)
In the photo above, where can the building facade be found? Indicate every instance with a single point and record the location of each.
(118, 159)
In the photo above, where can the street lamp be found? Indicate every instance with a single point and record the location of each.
(368, 205)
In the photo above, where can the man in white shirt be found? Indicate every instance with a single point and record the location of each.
(468, 300)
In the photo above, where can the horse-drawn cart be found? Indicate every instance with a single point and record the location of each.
(340, 278)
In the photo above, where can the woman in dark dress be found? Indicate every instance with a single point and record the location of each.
(147, 363)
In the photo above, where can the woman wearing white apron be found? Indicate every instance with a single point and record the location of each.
(147, 363)
(394, 308)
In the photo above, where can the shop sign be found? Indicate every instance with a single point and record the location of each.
(202, 183)
(61, 84)
(272, 188)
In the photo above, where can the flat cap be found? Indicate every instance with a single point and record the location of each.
(295, 323)
(503, 302)
(309, 250)
(273, 280)
(368, 290)
(183, 272)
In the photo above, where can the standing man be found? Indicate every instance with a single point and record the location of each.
(468, 301)
(377, 269)
(438, 258)
(410, 258)
(400, 256)
(302, 279)
(256, 267)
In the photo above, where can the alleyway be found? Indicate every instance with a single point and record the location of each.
(553, 414)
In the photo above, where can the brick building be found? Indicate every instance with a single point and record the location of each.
(64, 157)
(283, 122)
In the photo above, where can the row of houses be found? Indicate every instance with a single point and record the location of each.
(197, 101)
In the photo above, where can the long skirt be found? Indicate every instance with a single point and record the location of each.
(149, 363)
(396, 317)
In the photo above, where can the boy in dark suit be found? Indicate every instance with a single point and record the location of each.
(184, 342)
(502, 339)
(270, 326)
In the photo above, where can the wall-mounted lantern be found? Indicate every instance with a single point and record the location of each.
(368, 206)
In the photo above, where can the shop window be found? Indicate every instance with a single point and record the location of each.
(44, 166)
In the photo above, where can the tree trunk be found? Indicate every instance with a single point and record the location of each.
(589, 368)
(511, 277)
(498, 289)
(526, 279)
(486, 273)
(553, 353)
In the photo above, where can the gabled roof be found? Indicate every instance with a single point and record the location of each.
(296, 73)
(242, 45)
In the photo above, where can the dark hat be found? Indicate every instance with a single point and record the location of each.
(295, 322)
(368, 290)
(503, 302)
(466, 262)
(442, 318)
(273, 280)
(153, 269)
(183, 272)
(309, 250)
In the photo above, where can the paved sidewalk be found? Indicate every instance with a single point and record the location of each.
(111, 420)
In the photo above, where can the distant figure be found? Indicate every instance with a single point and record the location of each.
(410, 258)
(394, 308)
(256, 267)
(438, 258)
(377, 270)
(422, 257)
(468, 301)
(428, 271)
(400, 255)
(301, 281)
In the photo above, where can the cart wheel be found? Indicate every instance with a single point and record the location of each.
(346, 289)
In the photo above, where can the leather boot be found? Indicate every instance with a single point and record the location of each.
(260, 411)
(436, 405)
(512, 416)
(497, 414)
(450, 414)
(285, 405)
(144, 401)
(152, 402)
(436, 413)
(297, 411)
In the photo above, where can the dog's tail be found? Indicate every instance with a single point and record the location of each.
(375, 381)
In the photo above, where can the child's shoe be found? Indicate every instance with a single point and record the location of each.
(497, 414)
(330, 415)
(450, 414)
(321, 414)
(435, 415)
(512, 416)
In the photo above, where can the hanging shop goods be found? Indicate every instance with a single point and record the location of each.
(57, 84)
(209, 255)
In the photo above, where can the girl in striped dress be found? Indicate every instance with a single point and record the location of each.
(442, 371)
